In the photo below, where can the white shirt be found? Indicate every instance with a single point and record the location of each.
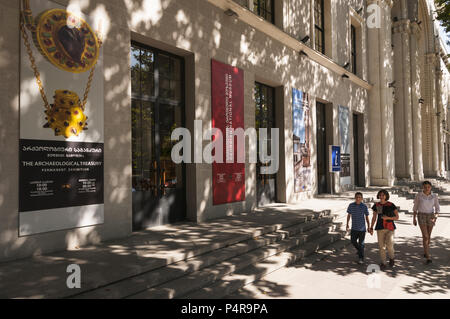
(425, 203)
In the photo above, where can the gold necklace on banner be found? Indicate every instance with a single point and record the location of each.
(67, 42)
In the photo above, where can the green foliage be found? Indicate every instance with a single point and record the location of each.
(443, 13)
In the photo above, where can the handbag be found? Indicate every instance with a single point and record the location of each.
(388, 224)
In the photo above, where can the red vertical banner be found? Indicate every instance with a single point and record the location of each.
(227, 92)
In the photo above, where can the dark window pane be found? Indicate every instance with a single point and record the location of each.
(243, 3)
(153, 169)
(164, 88)
(319, 25)
(147, 73)
(175, 90)
(176, 69)
(148, 139)
(136, 137)
(264, 8)
(135, 70)
(164, 64)
(353, 51)
(170, 119)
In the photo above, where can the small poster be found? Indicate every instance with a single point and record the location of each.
(61, 182)
(335, 158)
(301, 141)
(344, 129)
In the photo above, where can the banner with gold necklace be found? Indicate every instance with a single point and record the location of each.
(61, 120)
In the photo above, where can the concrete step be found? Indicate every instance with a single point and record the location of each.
(306, 262)
(238, 279)
(146, 280)
(207, 276)
(325, 252)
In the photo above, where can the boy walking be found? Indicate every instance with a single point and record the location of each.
(357, 211)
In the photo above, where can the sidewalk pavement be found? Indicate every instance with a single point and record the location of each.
(339, 275)
(45, 276)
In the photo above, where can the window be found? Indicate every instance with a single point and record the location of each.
(243, 3)
(264, 8)
(353, 49)
(157, 108)
(319, 25)
(265, 118)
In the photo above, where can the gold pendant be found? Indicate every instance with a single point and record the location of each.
(66, 116)
(66, 40)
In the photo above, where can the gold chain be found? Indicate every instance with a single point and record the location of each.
(91, 75)
(33, 63)
(38, 75)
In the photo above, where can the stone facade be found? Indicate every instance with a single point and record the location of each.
(401, 135)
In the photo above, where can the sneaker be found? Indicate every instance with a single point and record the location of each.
(382, 266)
(361, 261)
(391, 262)
(429, 261)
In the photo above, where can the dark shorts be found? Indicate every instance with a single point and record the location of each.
(425, 219)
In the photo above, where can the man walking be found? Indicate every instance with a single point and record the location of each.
(357, 211)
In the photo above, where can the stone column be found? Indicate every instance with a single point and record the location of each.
(381, 119)
(431, 158)
(404, 166)
(416, 106)
(428, 115)
(439, 118)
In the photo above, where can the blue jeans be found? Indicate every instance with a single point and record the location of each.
(357, 238)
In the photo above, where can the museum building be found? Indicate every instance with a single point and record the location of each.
(93, 91)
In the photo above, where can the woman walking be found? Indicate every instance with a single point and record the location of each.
(384, 213)
(426, 206)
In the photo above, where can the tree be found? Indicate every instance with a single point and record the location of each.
(443, 13)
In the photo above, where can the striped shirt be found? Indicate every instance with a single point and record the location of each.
(358, 212)
(425, 203)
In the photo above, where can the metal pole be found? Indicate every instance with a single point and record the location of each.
(331, 182)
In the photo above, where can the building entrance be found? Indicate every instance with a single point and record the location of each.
(358, 150)
(322, 149)
(265, 118)
(157, 108)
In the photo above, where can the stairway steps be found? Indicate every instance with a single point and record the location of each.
(325, 252)
(306, 262)
(209, 275)
(152, 278)
(233, 282)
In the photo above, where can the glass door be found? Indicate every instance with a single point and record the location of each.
(265, 118)
(322, 151)
(158, 184)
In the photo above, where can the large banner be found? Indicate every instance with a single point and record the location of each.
(301, 140)
(61, 141)
(344, 129)
(227, 91)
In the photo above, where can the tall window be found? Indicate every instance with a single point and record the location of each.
(265, 118)
(265, 9)
(319, 25)
(156, 110)
(353, 49)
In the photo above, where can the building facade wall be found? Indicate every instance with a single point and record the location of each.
(199, 31)
(117, 142)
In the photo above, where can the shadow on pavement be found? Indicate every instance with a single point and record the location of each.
(409, 261)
